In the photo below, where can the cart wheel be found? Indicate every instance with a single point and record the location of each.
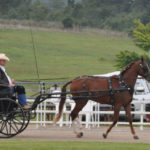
(27, 115)
(12, 118)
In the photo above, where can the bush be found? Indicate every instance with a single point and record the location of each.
(142, 35)
(125, 57)
(67, 23)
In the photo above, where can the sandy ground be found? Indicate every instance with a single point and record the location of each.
(118, 134)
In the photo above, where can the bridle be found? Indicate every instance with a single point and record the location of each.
(145, 69)
(146, 75)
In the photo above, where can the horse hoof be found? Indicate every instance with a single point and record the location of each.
(79, 135)
(104, 136)
(136, 137)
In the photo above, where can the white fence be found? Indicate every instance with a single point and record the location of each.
(92, 117)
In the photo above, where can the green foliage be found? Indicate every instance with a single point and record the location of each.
(38, 11)
(57, 4)
(142, 35)
(105, 14)
(125, 57)
(71, 3)
(67, 23)
(4, 5)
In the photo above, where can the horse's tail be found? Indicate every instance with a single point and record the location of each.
(62, 101)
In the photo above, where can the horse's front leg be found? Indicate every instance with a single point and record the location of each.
(129, 117)
(115, 119)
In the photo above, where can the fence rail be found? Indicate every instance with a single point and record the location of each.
(90, 116)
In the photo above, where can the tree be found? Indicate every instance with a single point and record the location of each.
(71, 3)
(15, 9)
(77, 11)
(142, 35)
(57, 4)
(39, 11)
(67, 23)
(104, 14)
(4, 5)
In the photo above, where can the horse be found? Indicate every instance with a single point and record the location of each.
(105, 93)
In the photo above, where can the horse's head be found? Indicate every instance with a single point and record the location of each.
(144, 70)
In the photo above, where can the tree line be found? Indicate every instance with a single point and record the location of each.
(141, 34)
(117, 15)
(105, 14)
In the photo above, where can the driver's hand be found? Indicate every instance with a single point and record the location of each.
(11, 85)
(13, 81)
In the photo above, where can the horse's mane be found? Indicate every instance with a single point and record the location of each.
(126, 68)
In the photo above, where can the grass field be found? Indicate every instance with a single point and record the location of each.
(48, 145)
(61, 53)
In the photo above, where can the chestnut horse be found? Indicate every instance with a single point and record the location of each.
(125, 81)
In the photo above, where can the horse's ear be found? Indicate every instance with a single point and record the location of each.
(143, 58)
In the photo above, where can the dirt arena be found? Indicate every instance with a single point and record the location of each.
(118, 134)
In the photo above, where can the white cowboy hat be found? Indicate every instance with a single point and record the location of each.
(3, 57)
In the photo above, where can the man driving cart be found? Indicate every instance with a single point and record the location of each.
(7, 81)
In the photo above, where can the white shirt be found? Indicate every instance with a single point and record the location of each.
(9, 79)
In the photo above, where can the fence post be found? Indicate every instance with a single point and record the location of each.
(141, 115)
(87, 119)
(37, 118)
(41, 114)
(98, 115)
(44, 119)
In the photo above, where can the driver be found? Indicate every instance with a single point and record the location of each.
(5, 79)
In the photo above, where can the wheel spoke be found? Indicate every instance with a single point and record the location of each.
(3, 126)
(15, 125)
(11, 126)
(7, 128)
(17, 121)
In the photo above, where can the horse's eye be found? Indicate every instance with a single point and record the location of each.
(145, 69)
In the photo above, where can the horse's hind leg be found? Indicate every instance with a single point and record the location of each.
(74, 116)
(129, 117)
(115, 119)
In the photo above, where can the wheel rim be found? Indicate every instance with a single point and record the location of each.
(12, 117)
(27, 115)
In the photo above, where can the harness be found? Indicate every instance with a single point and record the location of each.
(125, 86)
(111, 92)
(122, 87)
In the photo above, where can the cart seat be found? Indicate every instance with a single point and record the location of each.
(6, 96)
(5, 91)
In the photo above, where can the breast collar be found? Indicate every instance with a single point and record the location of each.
(124, 85)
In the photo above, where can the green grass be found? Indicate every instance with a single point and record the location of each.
(47, 145)
(61, 54)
